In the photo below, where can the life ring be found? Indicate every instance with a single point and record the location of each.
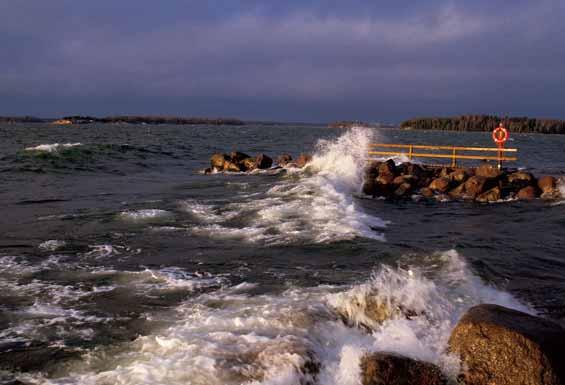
(500, 135)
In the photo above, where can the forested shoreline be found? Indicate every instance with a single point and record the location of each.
(486, 123)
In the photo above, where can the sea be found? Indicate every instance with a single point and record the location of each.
(121, 262)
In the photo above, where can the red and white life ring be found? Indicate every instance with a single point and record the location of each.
(500, 135)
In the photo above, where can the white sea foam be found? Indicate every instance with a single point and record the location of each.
(230, 336)
(52, 245)
(54, 147)
(314, 204)
(146, 215)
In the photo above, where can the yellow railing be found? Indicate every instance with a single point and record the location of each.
(454, 153)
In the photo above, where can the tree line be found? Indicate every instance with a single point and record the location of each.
(486, 123)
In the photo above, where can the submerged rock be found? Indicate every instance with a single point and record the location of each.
(393, 369)
(506, 347)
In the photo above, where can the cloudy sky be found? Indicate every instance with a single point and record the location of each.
(294, 60)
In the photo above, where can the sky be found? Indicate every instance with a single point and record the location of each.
(293, 60)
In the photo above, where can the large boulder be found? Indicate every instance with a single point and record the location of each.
(393, 369)
(475, 186)
(458, 192)
(237, 157)
(521, 177)
(427, 192)
(262, 161)
(303, 160)
(414, 169)
(217, 161)
(527, 193)
(547, 184)
(387, 168)
(488, 170)
(248, 164)
(232, 167)
(506, 347)
(492, 195)
(440, 184)
(460, 175)
(284, 159)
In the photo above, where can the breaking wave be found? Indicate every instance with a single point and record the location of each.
(315, 204)
(303, 335)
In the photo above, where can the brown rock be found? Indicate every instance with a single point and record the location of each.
(414, 169)
(403, 189)
(427, 192)
(488, 170)
(475, 186)
(459, 176)
(284, 159)
(491, 195)
(458, 192)
(445, 171)
(387, 167)
(217, 161)
(248, 164)
(369, 186)
(237, 156)
(521, 177)
(506, 347)
(232, 167)
(385, 179)
(547, 184)
(393, 369)
(527, 193)
(262, 161)
(440, 184)
(303, 159)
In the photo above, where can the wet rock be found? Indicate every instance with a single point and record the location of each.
(458, 192)
(403, 190)
(262, 162)
(427, 192)
(547, 184)
(393, 369)
(492, 195)
(387, 168)
(414, 169)
(232, 167)
(207, 171)
(237, 157)
(248, 164)
(475, 186)
(217, 161)
(445, 172)
(488, 170)
(440, 184)
(303, 159)
(527, 193)
(521, 176)
(284, 159)
(369, 186)
(385, 179)
(507, 347)
(459, 176)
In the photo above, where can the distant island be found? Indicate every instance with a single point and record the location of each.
(357, 123)
(486, 123)
(125, 119)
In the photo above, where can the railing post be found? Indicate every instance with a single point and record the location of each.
(453, 158)
(410, 153)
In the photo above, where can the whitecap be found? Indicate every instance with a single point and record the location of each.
(55, 147)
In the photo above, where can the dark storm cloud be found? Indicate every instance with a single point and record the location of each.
(285, 60)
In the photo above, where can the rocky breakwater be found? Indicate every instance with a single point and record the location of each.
(241, 162)
(485, 183)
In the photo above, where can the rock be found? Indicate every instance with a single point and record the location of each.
(369, 186)
(207, 171)
(248, 164)
(387, 168)
(427, 192)
(491, 195)
(385, 179)
(488, 170)
(403, 190)
(232, 167)
(547, 184)
(262, 161)
(440, 184)
(458, 192)
(520, 176)
(217, 161)
(475, 186)
(506, 347)
(303, 159)
(527, 193)
(237, 157)
(393, 369)
(459, 176)
(445, 172)
(284, 159)
(414, 169)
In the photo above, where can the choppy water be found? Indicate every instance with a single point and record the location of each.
(121, 264)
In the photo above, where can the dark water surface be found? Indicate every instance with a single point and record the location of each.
(121, 263)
